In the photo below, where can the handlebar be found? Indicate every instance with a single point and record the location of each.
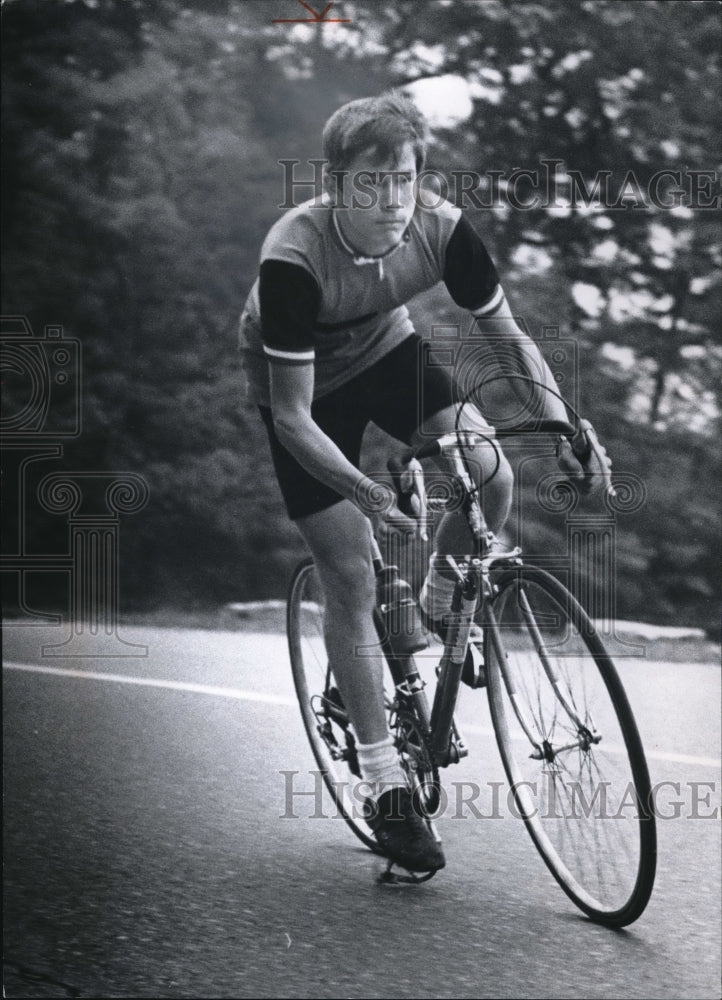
(467, 439)
(451, 442)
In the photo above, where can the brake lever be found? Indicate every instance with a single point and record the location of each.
(417, 476)
(408, 478)
(590, 436)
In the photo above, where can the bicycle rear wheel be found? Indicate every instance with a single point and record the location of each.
(570, 746)
(329, 731)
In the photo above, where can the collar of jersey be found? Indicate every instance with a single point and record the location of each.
(361, 258)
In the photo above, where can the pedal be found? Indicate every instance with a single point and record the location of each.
(352, 756)
(389, 877)
(458, 748)
(335, 708)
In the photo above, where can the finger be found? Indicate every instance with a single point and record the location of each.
(580, 445)
(568, 462)
(399, 523)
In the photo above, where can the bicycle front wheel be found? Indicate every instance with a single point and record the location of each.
(570, 746)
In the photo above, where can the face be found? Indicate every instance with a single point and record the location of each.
(375, 209)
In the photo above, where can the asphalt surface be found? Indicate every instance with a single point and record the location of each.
(146, 854)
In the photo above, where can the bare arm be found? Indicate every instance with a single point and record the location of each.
(517, 354)
(291, 397)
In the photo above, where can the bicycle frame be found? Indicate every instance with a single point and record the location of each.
(472, 583)
(473, 590)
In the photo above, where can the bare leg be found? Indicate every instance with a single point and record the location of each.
(339, 540)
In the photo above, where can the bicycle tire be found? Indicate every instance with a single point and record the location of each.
(324, 717)
(571, 746)
(318, 699)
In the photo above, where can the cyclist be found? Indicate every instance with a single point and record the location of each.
(328, 346)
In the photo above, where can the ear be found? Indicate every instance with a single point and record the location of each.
(329, 184)
(334, 185)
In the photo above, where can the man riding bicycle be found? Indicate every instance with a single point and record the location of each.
(328, 346)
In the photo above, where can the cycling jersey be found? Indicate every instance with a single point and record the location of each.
(317, 300)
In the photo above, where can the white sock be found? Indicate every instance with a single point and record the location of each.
(436, 592)
(380, 765)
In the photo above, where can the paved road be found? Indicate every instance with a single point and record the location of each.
(145, 856)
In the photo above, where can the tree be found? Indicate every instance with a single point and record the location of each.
(141, 173)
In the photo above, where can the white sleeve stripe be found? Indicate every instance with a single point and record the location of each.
(495, 301)
(299, 356)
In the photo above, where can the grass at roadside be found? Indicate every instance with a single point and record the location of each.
(272, 618)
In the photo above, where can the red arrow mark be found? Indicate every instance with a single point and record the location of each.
(315, 19)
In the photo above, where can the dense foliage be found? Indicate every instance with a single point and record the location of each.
(140, 174)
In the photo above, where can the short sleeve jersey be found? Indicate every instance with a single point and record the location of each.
(317, 301)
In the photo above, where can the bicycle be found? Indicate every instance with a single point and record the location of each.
(562, 721)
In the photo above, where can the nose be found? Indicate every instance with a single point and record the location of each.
(391, 200)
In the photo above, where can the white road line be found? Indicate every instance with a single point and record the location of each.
(277, 699)
(677, 758)
(210, 689)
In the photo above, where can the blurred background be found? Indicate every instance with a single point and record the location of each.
(141, 173)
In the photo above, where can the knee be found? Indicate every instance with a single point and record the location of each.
(503, 480)
(349, 582)
(492, 471)
(497, 492)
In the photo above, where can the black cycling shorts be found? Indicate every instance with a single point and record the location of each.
(397, 393)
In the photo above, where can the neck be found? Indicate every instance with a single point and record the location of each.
(350, 239)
